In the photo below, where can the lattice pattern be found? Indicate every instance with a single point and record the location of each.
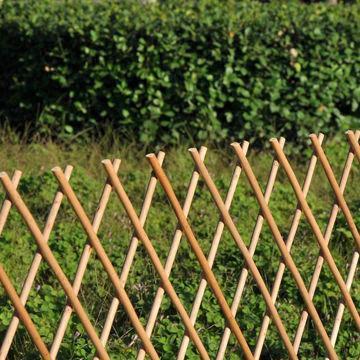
(113, 183)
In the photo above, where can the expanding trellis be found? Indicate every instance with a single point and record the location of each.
(229, 311)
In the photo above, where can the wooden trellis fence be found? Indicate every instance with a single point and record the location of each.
(229, 311)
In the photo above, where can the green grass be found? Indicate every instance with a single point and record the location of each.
(47, 300)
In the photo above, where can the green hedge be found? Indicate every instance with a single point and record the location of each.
(180, 69)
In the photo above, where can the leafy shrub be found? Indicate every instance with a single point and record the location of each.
(180, 69)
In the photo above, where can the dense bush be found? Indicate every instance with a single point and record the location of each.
(180, 69)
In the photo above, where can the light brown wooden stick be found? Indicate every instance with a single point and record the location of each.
(282, 247)
(35, 264)
(241, 245)
(282, 266)
(50, 259)
(6, 206)
(141, 234)
(337, 191)
(105, 261)
(320, 261)
(252, 247)
(171, 255)
(199, 253)
(23, 314)
(212, 253)
(317, 232)
(81, 268)
(131, 254)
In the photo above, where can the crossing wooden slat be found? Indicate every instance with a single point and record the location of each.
(212, 253)
(35, 264)
(172, 254)
(52, 262)
(320, 260)
(184, 228)
(130, 255)
(282, 247)
(23, 314)
(81, 268)
(142, 235)
(105, 261)
(317, 232)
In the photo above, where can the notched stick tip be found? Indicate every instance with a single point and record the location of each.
(106, 161)
(69, 167)
(3, 174)
(193, 150)
(273, 140)
(236, 144)
(56, 169)
(151, 155)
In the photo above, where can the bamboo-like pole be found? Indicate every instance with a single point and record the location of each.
(354, 143)
(237, 238)
(81, 268)
(35, 264)
(341, 307)
(6, 206)
(149, 193)
(337, 191)
(317, 232)
(23, 314)
(50, 259)
(212, 253)
(200, 255)
(142, 235)
(172, 254)
(282, 247)
(105, 261)
(327, 235)
(252, 247)
(289, 241)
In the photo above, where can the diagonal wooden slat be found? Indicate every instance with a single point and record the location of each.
(201, 257)
(336, 188)
(105, 261)
(52, 262)
(212, 253)
(6, 206)
(172, 254)
(317, 232)
(249, 261)
(141, 234)
(35, 264)
(150, 190)
(252, 247)
(341, 308)
(320, 261)
(282, 247)
(23, 314)
(80, 271)
(282, 266)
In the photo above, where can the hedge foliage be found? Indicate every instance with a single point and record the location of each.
(203, 70)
